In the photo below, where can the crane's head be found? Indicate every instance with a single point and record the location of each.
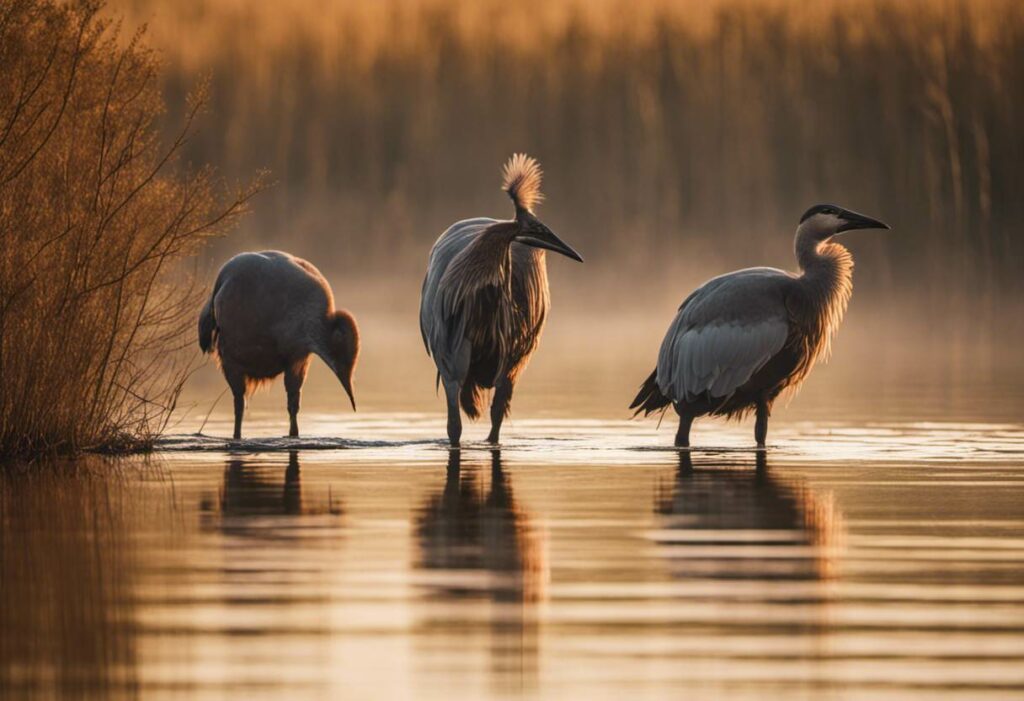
(823, 221)
(522, 183)
(343, 347)
(534, 233)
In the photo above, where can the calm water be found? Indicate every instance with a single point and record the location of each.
(584, 560)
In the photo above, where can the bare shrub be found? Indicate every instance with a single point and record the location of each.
(96, 217)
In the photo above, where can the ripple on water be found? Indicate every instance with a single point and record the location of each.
(586, 559)
(587, 441)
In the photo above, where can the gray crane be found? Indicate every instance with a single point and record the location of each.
(268, 312)
(485, 299)
(742, 338)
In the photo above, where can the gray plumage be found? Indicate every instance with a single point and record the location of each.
(443, 324)
(727, 330)
(485, 300)
(267, 314)
(743, 338)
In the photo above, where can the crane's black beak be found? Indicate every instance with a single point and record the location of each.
(548, 240)
(346, 382)
(853, 220)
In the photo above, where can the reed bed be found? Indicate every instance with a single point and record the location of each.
(668, 130)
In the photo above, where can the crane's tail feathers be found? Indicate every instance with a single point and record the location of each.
(649, 399)
(522, 181)
(208, 320)
(207, 327)
(472, 399)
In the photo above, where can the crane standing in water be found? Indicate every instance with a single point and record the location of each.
(268, 312)
(742, 338)
(485, 300)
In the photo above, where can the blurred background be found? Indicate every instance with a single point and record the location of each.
(679, 140)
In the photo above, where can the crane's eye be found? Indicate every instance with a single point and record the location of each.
(828, 210)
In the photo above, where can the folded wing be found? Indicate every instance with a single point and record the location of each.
(724, 333)
(442, 324)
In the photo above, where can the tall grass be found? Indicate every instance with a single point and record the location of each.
(667, 129)
(95, 215)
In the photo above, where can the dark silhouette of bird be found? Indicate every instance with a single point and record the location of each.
(742, 338)
(268, 313)
(716, 510)
(481, 544)
(485, 300)
(464, 527)
(253, 488)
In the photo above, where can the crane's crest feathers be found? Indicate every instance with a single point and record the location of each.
(522, 176)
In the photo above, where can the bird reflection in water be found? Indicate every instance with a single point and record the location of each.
(253, 489)
(721, 520)
(488, 551)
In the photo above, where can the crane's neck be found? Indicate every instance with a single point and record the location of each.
(827, 280)
(823, 260)
(336, 340)
(487, 262)
(319, 332)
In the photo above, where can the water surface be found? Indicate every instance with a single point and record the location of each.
(584, 559)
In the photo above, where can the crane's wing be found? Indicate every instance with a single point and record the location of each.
(723, 333)
(441, 324)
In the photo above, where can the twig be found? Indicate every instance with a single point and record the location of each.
(203, 425)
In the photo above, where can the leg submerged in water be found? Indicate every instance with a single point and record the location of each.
(293, 380)
(761, 423)
(451, 391)
(236, 381)
(685, 422)
(499, 408)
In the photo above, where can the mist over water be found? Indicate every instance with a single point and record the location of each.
(588, 367)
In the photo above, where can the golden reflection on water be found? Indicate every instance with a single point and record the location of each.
(727, 521)
(400, 569)
(465, 530)
(68, 567)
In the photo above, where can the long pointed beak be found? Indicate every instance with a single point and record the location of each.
(551, 242)
(347, 384)
(859, 221)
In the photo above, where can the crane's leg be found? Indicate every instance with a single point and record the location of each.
(236, 381)
(451, 391)
(685, 421)
(761, 423)
(293, 379)
(499, 407)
